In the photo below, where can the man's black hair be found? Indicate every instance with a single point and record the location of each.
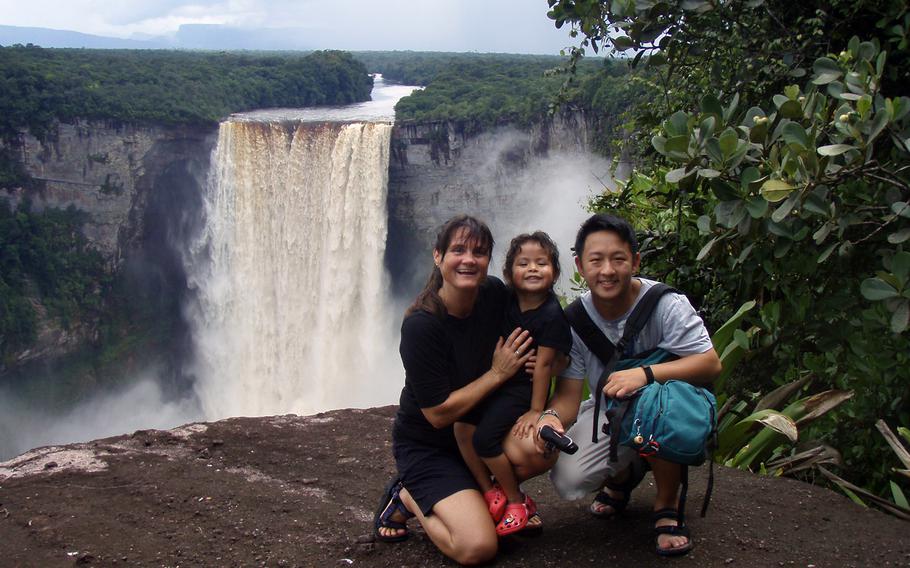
(605, 222)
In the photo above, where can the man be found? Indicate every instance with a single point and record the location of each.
(607, 257)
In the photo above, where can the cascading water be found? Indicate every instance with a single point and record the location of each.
(291, 298)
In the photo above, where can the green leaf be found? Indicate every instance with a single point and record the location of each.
(900, 264)
(822, 233)
(728, 142)
(791, 109)
(867, 51)
(900, 319)
(785, 208)
(677, 124)
(757, 206)
(623, 43)
(877, 289)
(724, 191)
(899, 236)
(901, 208)
(749, 176)
(705, 250)
(673, 176)
(835, 89)
(835, 149)
(878, 124)
(826, 253)
(679, 144)
(704, 225)
(724, 335)
(791, 92)
(826, 70)
(660, 144)
(793, 133)
(712, 147)
(816, 202)
(775, 190)
(899, 498)
(708, 173)
(711, 105)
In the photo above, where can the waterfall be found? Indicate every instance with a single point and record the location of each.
(292, 290)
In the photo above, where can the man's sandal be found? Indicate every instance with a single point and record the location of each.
(388, 506)
(675, 530)
(514, 519)
(603, 500)
(496, 501)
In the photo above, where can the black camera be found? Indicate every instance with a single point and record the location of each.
(557, 440)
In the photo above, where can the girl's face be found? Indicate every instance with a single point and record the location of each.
(532, 270)
(464, 263)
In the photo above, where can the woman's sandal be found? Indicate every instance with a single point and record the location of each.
(514, 519)
(496, 502)
(388, 506)
(675, 530)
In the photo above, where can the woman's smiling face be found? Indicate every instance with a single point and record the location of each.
(464, 263)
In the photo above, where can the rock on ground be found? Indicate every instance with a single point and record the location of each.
(301, 490)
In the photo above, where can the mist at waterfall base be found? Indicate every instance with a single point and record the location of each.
(292, 310)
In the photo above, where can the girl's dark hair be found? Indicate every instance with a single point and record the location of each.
(605, 222)
(475, 230)
(545, 242)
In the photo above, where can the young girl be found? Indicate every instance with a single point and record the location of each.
(531, 268)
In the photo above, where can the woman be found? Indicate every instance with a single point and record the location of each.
(453, 357)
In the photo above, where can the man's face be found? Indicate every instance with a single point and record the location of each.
(607, 265)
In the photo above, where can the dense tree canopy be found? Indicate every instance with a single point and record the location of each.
(773, 167)
(491, 88)
(39, 85)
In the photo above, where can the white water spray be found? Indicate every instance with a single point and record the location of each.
(291, 311)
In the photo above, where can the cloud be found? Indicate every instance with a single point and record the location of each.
(518, 26)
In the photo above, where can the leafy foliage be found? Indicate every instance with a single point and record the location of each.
(44, 255)
(38, 86)
(487, 89)
(776, 171)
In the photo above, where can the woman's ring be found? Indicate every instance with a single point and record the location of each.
(518, 352)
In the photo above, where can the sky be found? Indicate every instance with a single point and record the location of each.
(511, 26)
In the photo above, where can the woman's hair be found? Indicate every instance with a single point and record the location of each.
(545, 242)
(475, 230)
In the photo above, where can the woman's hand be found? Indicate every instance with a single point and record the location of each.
(511, 354)
(525, 424)
(623, 383)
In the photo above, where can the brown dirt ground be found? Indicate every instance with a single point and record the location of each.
(300, 491)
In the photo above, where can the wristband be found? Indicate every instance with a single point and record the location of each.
(649, 374)
(549, 412)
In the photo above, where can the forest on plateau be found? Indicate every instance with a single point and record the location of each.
(772, 184)
(489, 89)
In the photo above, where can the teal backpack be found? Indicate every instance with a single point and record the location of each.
(674, 420)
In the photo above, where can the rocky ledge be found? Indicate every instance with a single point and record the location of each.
(300, 491)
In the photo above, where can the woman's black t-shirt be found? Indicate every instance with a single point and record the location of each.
(441, 355)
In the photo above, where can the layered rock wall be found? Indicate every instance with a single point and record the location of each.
(140, 187)
(504, 175)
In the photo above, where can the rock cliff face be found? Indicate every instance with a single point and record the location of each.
(511, 178)
(141, 187)
(113, 171)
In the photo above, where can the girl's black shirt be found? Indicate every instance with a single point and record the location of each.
(441, 355)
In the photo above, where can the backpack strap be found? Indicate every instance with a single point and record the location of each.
(598, 343)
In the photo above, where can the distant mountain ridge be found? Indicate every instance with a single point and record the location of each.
(189, 36)
(46, 37)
